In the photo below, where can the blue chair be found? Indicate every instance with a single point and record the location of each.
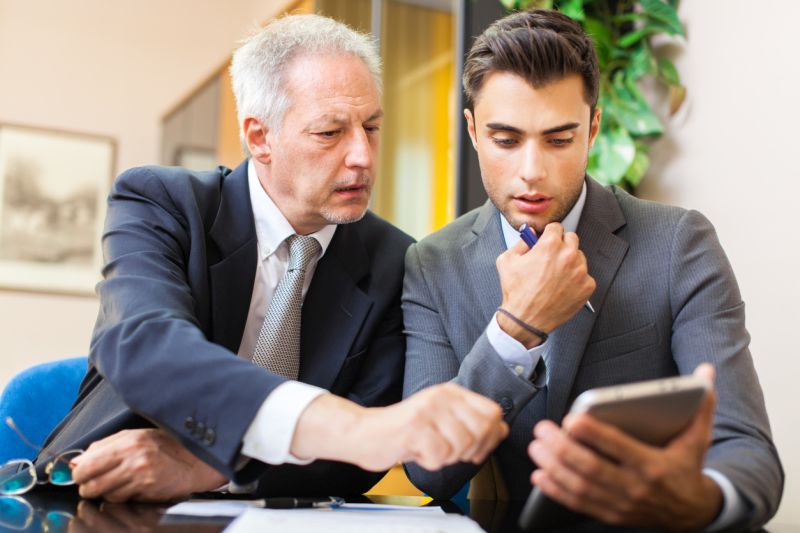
(37, 399)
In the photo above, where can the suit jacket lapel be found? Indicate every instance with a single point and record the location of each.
(232, 259)
(334, 308)
(480, 254)
(604, 252)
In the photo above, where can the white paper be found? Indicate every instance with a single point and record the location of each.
(350, 521)
(232, 508)
(381, 507)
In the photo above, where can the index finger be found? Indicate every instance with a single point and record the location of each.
(610, 441)
(94, 463)
(554, 231)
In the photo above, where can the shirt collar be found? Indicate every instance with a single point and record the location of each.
(570, 222)
(272, 228)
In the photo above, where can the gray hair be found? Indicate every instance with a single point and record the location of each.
(259, 66)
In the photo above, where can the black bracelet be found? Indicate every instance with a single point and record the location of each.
(524, 325)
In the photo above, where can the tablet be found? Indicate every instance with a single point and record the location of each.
(652, 411)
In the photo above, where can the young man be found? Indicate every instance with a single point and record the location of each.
(277, 261)
(483, 311)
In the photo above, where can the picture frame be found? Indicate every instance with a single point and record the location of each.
(53, 189)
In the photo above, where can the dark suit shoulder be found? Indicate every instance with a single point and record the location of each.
(155, 180)
(184, 193)
(380, 237)
(452, 236)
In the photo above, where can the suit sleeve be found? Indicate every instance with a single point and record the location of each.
(709, 325)
(432, 359)
(148, 343)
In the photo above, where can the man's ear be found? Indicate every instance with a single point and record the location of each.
(471, 127)
(594, 127)
(257, 137)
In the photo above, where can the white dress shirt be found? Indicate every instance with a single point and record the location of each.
(522, 362)
(269, 436)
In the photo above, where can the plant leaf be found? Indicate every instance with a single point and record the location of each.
(613, 153)
(573, 9)
(641, 62)
(632, 110)
(639, 165)
(635, 36)
(677, 94)
(668, 73)
(665, 13)
(603, 41)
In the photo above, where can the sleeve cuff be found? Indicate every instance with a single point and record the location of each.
(519, 360)
(269, 437)
(733, 508)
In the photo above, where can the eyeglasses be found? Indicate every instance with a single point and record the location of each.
(16, 514)
(18, 476)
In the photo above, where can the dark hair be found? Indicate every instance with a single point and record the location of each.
(539, 45)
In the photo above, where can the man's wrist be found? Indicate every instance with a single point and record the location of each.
(327, 429)
(525, 336)
(708, 506)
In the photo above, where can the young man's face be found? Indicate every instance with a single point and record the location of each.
(532, 146)
(319, 167)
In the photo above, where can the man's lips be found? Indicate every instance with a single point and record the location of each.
(352, 191)
(533, 204)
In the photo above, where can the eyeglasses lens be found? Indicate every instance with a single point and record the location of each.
(17, 477)
(61, 471)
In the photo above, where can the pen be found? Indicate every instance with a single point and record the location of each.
(527, 235)
(328, 502)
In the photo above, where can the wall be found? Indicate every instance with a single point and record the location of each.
(732, 154)
(108, 68)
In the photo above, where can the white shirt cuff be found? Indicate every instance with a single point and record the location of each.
(269, 436)
(519, 360)
(733, 507)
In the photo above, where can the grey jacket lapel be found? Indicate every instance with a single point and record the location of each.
(604, 251)
(480, 254)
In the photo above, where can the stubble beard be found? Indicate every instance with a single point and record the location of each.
(332, 215)
(504, 204)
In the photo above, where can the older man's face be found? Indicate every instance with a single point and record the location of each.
(320, 164)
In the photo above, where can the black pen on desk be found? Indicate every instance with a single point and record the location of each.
(329, 502)
(527, 235)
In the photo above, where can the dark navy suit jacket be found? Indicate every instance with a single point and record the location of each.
(180, 254)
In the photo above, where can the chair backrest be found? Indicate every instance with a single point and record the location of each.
(37, 399)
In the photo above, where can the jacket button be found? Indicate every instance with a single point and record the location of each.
(189, 423)
(209, 437)
(199, 430)
(506, 404)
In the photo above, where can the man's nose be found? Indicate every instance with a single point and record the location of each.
(359, 150)
(532, 167)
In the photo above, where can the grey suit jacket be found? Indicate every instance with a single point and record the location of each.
(666, 300)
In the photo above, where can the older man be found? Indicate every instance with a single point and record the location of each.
(277, 261)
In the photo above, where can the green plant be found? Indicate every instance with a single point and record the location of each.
(622, 32)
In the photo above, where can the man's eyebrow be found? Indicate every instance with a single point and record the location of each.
(563, 127)
(375, 116)
(499, 126)
(339, 120)
(329, 118)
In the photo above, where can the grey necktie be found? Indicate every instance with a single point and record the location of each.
(278, 345)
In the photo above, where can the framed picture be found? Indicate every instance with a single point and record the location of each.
(53, 189)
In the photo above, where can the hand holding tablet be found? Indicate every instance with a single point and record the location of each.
(653, 412)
